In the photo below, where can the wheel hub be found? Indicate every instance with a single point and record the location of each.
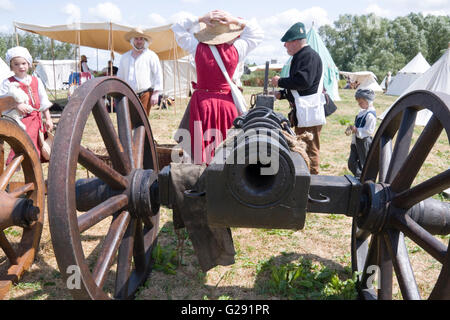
(374, 208)
(144, 194)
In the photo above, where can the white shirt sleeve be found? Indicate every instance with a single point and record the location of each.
(369, 129)
(250, 38)
(156, 75)
(184, 34)
(4, 87)
(43, 97)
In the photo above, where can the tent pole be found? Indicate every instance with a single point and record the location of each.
(112, 49)
(79, 52)
(54, 72)
(17, 36)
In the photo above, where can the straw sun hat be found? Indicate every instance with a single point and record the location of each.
(135, 33)
(218, 33)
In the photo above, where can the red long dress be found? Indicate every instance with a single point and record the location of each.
(211, 105)
(33, 120)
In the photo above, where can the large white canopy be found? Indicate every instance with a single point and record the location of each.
(436, 78)
(109, 36)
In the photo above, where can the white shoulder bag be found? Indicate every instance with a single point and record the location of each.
(238, 97)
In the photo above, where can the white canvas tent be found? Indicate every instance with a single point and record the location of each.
(5, 71)
(330, 71)
(366, 79)
(54, 79)
(177, 76)
(436, 78)
(407, 75)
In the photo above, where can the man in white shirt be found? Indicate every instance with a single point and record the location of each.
(141, 69)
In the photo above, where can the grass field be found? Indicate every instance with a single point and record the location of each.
(313, 263)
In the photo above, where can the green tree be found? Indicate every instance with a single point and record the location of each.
(368, 42)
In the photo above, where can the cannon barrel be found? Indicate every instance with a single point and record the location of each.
(255, 180)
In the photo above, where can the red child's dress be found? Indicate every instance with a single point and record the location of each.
(33, 120)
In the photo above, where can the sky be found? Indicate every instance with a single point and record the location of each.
(274, 17)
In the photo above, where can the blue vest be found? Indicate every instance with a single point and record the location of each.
(361, 121)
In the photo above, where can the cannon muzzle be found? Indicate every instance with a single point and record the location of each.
(255, 180)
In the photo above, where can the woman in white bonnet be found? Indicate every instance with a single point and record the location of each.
(29, 94)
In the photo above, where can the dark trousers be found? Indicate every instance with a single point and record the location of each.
(358, 155)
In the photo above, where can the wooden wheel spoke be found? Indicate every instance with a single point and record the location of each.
(420, 236)
(422, 191)
(110, 246)
(9, 171)
(402, 143)
(370, 262)
(385, 158)
(124, 262)
(99, 168)
(395, 243)
(22, 190)
(7, 248)
(385, 264)
(102, 211)
(115, 149)
(124, 127)
(417, 156)
(138, 146)
(139, 249)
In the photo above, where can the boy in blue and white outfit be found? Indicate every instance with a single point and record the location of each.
(362, 131)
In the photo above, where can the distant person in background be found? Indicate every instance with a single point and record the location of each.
(84, 65)
(388, 80)
(362, 131)
(107, 70)
(141, 69)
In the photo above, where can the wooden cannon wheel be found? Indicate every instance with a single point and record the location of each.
(19, 243)
(379, 232)
(124, 256)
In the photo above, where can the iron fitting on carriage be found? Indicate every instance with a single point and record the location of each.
(17, 212)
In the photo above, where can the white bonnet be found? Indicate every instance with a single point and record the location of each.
(18, 52)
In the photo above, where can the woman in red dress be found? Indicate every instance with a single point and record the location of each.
(212, 109)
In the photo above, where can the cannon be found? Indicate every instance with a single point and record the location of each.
(253, 192)
(22, 203)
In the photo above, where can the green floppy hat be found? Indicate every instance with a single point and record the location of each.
(297, 31)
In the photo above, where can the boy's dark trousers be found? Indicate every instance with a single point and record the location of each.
(358, 155)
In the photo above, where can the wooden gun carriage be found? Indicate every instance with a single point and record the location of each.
(384, 204)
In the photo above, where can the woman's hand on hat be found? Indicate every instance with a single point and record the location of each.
(219, 16)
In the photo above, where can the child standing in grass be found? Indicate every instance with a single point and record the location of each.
(36, 100)
(362, 131)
